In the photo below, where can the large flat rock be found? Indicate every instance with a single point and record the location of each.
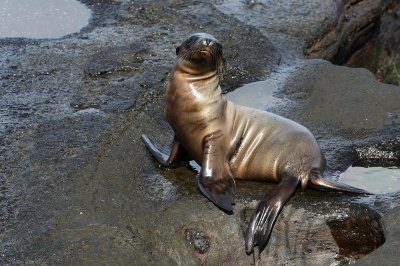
(77, 185)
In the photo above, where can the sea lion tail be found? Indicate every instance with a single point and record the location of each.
(319, 183)
(268, 209)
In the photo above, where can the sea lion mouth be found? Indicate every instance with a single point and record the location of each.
(199, 51)
(205, 53)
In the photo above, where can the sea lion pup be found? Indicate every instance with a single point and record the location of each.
(231, 141)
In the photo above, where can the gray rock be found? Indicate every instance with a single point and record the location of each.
(77, 185)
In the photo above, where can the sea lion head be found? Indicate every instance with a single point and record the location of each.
(203, 51)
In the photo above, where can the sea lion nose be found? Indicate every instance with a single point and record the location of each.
(207, 42)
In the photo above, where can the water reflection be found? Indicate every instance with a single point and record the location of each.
(256, 95)
(42, 18)
(376, 180)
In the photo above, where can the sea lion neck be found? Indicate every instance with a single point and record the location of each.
(195, 71)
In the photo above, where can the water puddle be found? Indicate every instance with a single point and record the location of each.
(256, 95)
(38, 19)
(377, 180)
(357, 236)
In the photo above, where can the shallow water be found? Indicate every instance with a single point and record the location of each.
(38, 19)
(257, 94)
(377, 180)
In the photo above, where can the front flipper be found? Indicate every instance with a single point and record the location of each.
(215, 180)
(176, 157)
(263, 218)
(218, 191)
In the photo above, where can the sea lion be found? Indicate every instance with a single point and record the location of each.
(231, 141)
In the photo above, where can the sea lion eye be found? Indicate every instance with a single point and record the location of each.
(177, 50)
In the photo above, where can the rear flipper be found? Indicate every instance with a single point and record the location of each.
(263, 218)
(320, 183)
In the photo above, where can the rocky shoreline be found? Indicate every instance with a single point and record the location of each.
(77, 184)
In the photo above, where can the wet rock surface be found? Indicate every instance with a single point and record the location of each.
(77, 185)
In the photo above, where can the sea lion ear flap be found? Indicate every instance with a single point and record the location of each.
(222, 64)
(177, 50)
